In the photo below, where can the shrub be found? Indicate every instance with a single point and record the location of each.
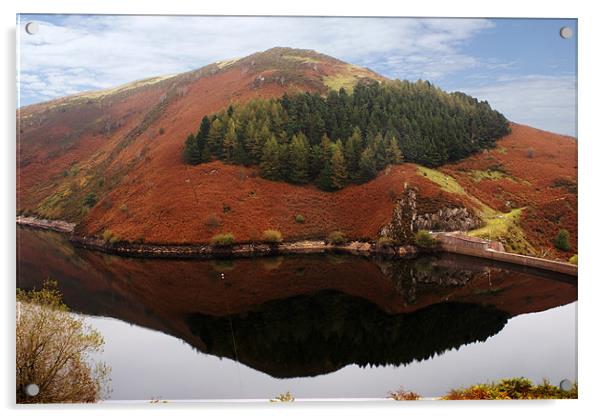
(404, 395)
(385, 242)
(299, 219)
(272, 236)
(562, 240)
(223, 239)
(392, 195)
(55, 347)
(336, 237)
(161, 131)
(212, 222)
(90, 199)
(573, 259)
(283, 397)
(424, 239)
(109, 236)
(515, 388)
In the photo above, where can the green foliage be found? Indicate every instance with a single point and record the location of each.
(562, 240)
(338, 168)
(90, 199)
(191, 154)
(54, 349)
(272, 236)
(515, 388)
(336, 238)
(385, 242)
(573, 259)
(270, 167)
(299, 219)
(109, 237)
(424, 239)
(376, 125)
(222, 240)
(298, 171)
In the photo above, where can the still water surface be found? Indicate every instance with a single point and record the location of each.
(317, 326)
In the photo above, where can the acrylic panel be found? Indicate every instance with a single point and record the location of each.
(294, 208)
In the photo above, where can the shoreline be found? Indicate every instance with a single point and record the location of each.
(209, 251)
(448, 243)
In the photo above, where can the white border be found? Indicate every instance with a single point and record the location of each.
(590, 153)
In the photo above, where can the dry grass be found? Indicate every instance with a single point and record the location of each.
(515, 388)
(404, 395)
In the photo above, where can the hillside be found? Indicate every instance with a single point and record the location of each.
(111, 160)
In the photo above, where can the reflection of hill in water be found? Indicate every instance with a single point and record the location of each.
(311, 335)
(297, 314)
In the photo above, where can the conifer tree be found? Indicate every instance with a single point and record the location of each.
(320, 156)
(324, 179)
(239, 155)
(203, 129)
(270, 160)
(380, 151)
(298, 160)
(259, 140)
(367, 165)
(352, 152)
(191, 154)
(229, 142)
(214, 137)
(338, 167)
(394, 155)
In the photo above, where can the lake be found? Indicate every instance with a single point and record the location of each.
(319, 326)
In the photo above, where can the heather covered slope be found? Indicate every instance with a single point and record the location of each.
(112, 161)
(531, 174)
(96, 142)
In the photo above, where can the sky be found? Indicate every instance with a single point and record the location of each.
(522, 67)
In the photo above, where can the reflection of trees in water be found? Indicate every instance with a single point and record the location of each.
(426, 275)
(312, 335)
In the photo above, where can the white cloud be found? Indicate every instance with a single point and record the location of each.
(90, 52)
(547, 102)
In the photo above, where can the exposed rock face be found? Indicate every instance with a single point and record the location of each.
(407, 219)
(447, 219)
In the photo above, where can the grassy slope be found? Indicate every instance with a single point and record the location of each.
(533, 192)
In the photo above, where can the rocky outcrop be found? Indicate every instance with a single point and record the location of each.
(407, 219)
(447, 219)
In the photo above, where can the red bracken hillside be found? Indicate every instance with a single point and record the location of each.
(123, 147)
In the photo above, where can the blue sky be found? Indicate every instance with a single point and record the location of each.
(521, 66)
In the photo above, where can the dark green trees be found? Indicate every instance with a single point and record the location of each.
(298, 159)
(191, 154)
(347, 138)
(338, 167)
(271, 160)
